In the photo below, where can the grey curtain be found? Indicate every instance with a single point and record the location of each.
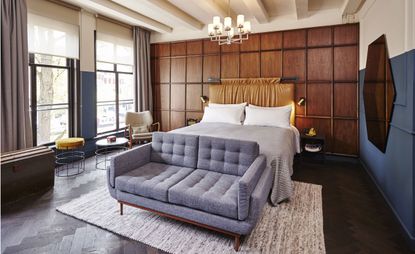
(142, 69)
(16, 131)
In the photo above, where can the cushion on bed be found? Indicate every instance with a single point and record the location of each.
(151, 180)
(231, 115)
(208, 191)
(227, 156)
(175, 149)
(268, 116)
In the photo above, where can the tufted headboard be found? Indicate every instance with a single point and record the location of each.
(265, 92)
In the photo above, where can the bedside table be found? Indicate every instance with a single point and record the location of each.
(316, 145)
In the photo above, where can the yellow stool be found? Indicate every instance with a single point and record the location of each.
(69, 156)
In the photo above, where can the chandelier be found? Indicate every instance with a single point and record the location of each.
(225, 33)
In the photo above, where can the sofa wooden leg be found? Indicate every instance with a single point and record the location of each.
(237, 242)
(121, 208)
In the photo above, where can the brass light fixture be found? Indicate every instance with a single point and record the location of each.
(301, 101)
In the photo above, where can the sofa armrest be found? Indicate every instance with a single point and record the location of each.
(247, 184)
(127, 161)
(260, 195)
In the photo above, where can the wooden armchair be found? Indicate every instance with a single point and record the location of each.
(139, 127)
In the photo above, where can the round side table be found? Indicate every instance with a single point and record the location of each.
(106, 149)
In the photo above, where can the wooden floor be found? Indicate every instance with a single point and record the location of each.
(356, 219)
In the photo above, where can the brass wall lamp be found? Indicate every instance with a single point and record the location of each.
(204, 98)
(301, 101)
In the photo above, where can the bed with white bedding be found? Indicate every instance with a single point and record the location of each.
(279, 145)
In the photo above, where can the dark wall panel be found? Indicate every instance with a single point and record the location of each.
(323, 59)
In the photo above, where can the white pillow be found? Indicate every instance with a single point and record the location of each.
(239, 105)
(268, 116)
(230, 115)
(217, 105)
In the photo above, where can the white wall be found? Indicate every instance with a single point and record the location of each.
(395, 18)
(323, 18)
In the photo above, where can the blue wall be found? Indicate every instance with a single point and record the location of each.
(394, 171)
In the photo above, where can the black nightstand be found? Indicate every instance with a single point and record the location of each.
(317, 141)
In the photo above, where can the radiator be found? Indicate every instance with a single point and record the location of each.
(25, 172)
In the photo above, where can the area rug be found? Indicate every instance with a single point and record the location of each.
(291, 227)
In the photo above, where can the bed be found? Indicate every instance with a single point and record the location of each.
(279, 145)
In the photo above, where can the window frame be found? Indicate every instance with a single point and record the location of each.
(71, 67)
(117, 97)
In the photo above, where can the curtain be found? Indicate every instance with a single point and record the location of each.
(142, 69)
(16, 131)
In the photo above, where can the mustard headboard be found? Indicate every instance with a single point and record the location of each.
(264, 92)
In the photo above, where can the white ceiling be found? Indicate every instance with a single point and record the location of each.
(187, 19)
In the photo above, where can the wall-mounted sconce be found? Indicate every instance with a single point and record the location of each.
(301, 101)
(204, 98)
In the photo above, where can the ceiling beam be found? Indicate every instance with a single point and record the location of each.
(257, 9)
(351, 7)
(119, 12)
(177, 13)
(301, 8)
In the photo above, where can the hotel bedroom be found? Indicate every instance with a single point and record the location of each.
(211, 126)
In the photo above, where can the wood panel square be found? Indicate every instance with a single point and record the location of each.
(345, 63)
(249, 65)
(319, 36)
(319, 99)
(164, 71)
(294, 64)
(194, 69)
(165, 120)
(153, 50)
(294, 39)
(345, 136)
(178, 49)
(230, 66)
(162, 97)
(210, 47)
(205, 91)
(346, 34)
(163, 49)
(155, 70)
(271, 64)
(319, 64)
(178, 70)
(271, 41)
(345, 99)
(193, 93)
(177, 119)
(299, 92)
(252, 44)
(194, 47)
(211, 67)
(178, 97)
(229, 48)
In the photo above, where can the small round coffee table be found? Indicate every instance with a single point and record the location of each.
(106, 149)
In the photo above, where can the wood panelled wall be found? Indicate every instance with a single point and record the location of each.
(324, 59)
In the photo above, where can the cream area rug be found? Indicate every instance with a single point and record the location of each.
(291, 227)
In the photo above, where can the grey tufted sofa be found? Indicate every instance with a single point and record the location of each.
(220, 184)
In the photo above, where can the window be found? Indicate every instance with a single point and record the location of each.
(115, 95)
(51, 82)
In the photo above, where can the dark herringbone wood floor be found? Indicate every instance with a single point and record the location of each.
(356, 219)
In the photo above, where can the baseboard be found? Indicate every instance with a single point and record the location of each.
(408, 236)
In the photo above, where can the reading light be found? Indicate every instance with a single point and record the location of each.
(301, 101)
(204, 98)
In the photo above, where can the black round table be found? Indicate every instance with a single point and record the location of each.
(105, 150)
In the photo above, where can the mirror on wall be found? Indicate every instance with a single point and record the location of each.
(378, 93)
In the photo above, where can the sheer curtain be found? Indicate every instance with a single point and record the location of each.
(142, 69)
(16, 131)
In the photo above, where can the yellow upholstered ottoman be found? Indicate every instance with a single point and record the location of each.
(70, 158)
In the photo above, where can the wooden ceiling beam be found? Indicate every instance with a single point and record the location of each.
(257, 9)
(301, 8)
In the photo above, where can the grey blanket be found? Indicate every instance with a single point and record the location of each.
(279, 145)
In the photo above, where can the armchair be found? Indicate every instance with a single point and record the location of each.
(139, 127)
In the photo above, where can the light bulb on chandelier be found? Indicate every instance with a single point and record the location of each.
(225, 33)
